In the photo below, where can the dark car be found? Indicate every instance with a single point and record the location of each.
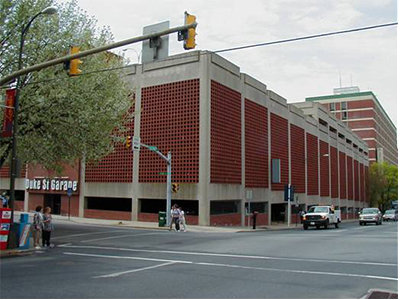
(390, 215)
(370, 215)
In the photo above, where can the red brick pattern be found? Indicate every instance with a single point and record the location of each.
(366, 175)
(226, 220)
(116, 166)
(279, 148)
(107, 214)
(324, 165)
(297, 148)
(256, 141)
(356, 181)
(312, 165)
(333, 156)
(5, 172)
(342, 174)
(362, 183)
(350, 192)
(170, 121)
(226, 134)
(360, 104)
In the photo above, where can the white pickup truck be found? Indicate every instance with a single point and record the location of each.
(321, 216)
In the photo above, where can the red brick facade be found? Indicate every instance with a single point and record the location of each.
(324, 165)
(279, 148)
(350, 191)
(297, 157)
(356, 182)
(342, 174)
(256, 140)
(312, 165)
(334, 172)
(226, 135)
(170, 121)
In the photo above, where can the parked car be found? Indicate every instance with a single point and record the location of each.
(321, 216)
(390, 215)
(370, 215)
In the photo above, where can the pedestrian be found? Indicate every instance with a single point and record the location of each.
(48, 227)
(4, 200)
(172, 212)
(37, 226)
(182, 219)
(175, 217)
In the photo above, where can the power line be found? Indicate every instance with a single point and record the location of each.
(241, 48)
(305, 37)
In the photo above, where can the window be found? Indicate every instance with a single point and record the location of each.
(276, 170)
(331, 106)
(344, 115)
(343, 105)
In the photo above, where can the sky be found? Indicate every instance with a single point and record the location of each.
(296, 70)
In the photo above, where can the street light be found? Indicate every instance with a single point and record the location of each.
(47, 11)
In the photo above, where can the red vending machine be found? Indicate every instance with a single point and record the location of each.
(5, 220)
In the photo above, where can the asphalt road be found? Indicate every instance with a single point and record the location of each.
(113, 262)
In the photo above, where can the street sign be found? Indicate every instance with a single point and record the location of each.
(136, 143)
(153, 148)
(163, 173)
(289, 192)
(69, 192)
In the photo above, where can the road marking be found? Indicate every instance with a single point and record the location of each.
(119, 236)
(233, 255)
(230, 266)
(88, 233)
(135, 270)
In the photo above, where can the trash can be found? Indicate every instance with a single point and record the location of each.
(162, 219)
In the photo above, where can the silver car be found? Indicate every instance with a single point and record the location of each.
(370, 215)
(390, 215)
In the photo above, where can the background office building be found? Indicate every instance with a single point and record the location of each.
(366, 117)
(234, 143)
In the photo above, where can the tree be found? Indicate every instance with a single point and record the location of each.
(383, 183)
(62, 118)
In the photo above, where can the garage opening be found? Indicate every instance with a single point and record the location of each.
(113, 204)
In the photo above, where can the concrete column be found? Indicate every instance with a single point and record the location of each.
(82, 186)
(205, 140)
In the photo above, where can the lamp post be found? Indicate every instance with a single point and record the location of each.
(137, 54)
(13, 167)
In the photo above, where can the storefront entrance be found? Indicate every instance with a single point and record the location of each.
(54, 202)
(278, 212)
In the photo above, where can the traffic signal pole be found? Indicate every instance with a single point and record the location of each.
(7, 79)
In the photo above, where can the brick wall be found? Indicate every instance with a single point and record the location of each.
(226, 220)
(226, 131)
(5, 171)
(333, 157)
(366, 174)
(350, 182)
(256, 140)
(170, 121)
(356, 181)
(279, 148)
(324, 165)
(342, 174)
(312, 165)
(297, 145)
(116, 166)
(107, 214)
(362, 183)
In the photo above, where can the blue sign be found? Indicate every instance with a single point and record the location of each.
(69, 192)
(289, 193)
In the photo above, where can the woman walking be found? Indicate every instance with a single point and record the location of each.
(37, 226)
(47, 227)
(182, 219)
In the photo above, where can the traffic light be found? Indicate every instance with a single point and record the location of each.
(73, 69)
(190, 36)
(175, 187)
(128, 142)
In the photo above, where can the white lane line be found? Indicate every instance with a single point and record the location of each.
(88, 233)
(235, 266)
(119, 236)
(232, 255)
(300, 271)
(134, 271)
(128, 257)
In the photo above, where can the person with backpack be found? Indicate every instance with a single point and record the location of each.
(37, 226)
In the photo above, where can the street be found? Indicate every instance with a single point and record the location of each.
(113, 262)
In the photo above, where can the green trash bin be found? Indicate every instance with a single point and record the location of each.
(162, 219)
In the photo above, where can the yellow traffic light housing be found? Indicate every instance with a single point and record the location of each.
(128, 142)
(190, 38)
(74, 63)
(175, 187)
